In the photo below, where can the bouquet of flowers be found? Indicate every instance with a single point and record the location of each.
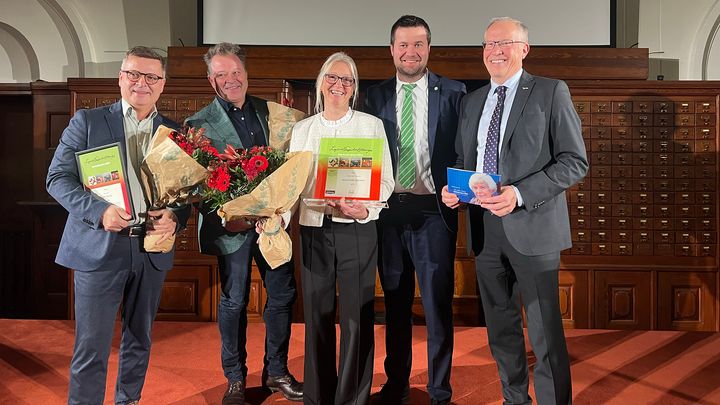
(264, 183)
(260, 182)
(171, 153)
(240, 171)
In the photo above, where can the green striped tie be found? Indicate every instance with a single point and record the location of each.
(406, 167)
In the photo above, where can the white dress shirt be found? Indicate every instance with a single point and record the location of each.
(423, 178)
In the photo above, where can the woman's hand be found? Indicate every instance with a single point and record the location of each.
(351, 208)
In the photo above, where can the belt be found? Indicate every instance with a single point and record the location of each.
(409, 203)
(410, 197)
(134, 231)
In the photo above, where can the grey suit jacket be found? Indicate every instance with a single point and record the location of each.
(213, 237)
(542, 154)
(85, 245)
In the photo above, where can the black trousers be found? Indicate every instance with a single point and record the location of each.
(506, 277)
(414, 241)
(339, 257)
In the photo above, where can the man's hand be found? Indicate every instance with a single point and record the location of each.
(114, 219)
(501, 204)
(260, 224)
(161, 222)
(449, 199)
(239, 225)
(350, 208)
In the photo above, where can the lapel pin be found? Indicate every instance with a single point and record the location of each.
(525, 88)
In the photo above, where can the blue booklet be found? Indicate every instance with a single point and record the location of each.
(470, 186)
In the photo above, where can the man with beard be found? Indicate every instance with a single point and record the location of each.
(419, 110)
(239, 120)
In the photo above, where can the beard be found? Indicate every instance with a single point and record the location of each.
(419, 71)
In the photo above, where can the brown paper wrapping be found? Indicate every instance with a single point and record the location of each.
(271, 198)
(168, 176)
(280, 123)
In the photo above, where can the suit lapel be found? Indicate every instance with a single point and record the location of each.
(114, 119)
(219, 120)
(474, 122)
(263, 115)
(525, 86)
(434, 90)
(389, 95)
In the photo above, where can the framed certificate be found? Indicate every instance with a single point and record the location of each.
(472, 187)
(350, 168)
(102, 171)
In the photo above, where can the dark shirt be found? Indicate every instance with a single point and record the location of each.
(246, 122)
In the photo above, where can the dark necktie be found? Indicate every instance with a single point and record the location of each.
(490, 160)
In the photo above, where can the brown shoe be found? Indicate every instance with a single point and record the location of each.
(235, 394)
(291, 389)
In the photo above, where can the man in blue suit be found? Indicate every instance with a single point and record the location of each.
(525, 129)
(238, 119)
(417, 233)
(103, 243)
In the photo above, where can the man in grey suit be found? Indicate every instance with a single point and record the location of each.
(240, 120)
(525, 129)
(102, 242)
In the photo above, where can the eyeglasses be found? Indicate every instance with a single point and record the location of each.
(502, 44)
(134, 75)
(225, 75)
(346, 81)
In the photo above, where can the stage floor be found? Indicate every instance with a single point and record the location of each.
(608, 367)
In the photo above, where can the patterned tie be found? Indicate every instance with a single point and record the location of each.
(406, 167)
(490, 160)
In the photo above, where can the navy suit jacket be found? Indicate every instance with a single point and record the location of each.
(542, 154)
(85, 245)
(444, 97)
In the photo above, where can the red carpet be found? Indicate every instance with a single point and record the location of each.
(608, 367)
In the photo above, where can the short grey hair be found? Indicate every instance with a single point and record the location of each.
(336, 57)
(519, 24)
(224, 48)
(478, 178)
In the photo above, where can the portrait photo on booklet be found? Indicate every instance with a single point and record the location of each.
(471, 187)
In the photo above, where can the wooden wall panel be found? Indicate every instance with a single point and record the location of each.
(188, 294)
(16, 112)
(687, 301)
(574, 296)
(623, 300)
(461, 63)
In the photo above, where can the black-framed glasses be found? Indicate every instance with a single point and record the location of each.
(345, 81)
(134, 75)
(502, 44)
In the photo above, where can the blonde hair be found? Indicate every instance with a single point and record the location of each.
(336, 57)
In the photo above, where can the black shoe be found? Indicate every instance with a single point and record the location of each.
(394, 396)
(439, 401)
(291, 389)
(235, 394)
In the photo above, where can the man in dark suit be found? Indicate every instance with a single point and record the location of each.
(419, 110)
(237, 119)
(103, 243)
(525, 129)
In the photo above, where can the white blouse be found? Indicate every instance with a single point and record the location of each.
(306, 136)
